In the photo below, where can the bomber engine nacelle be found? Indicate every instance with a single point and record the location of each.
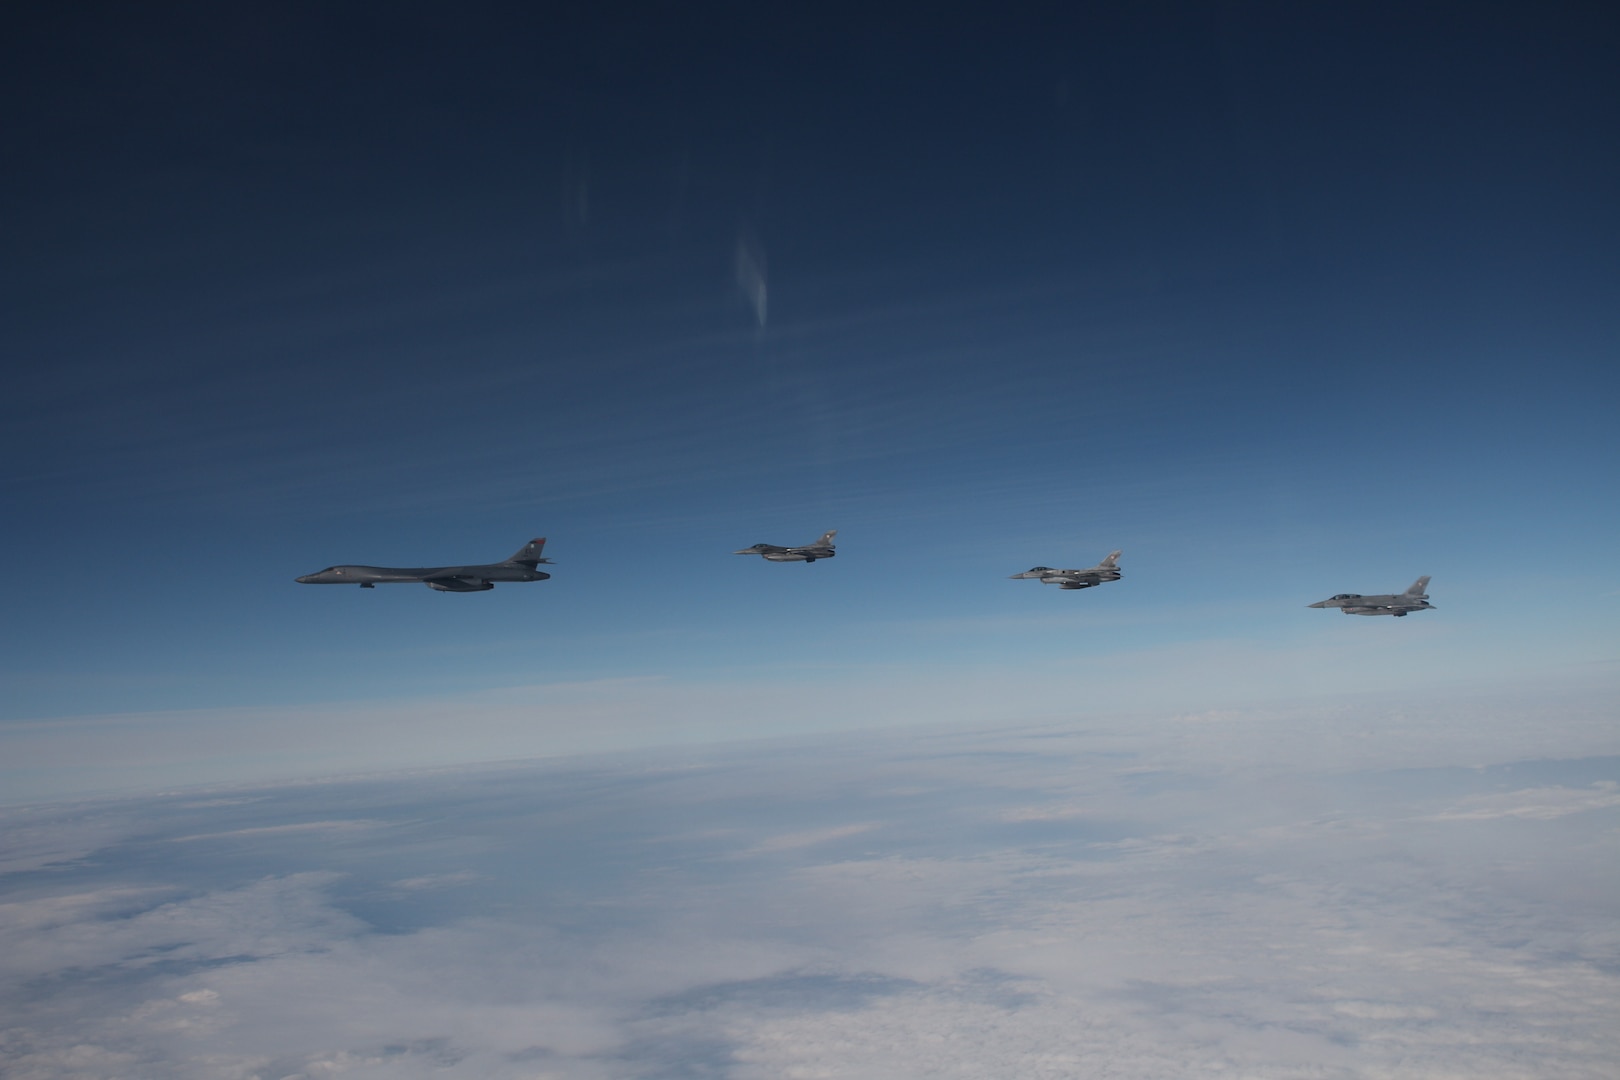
(460, 586)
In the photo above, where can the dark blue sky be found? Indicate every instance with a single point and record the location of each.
(1283, 301)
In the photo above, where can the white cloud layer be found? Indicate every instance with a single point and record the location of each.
(48, 760)
(1032, 903)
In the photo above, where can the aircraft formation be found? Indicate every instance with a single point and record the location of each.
(524, 566)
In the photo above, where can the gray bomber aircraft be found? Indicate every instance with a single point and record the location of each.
(1399, 605)
(477, 578)
(821, 549)
(1107, 570)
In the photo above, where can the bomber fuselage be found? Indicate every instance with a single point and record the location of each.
(474, 577)
(388, 575)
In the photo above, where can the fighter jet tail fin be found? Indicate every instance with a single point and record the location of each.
(529, 554)
(826, 539)
(1419, 587)
(1112, 561)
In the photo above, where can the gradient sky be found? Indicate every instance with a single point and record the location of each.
(1281, 302)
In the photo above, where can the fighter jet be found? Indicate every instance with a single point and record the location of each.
(1413, 599)
(821, 549)
(1076, 579)
(520, 567)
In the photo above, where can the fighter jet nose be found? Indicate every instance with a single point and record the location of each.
(1319, 603)
(302, 580)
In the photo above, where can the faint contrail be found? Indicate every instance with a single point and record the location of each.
(751, 273)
